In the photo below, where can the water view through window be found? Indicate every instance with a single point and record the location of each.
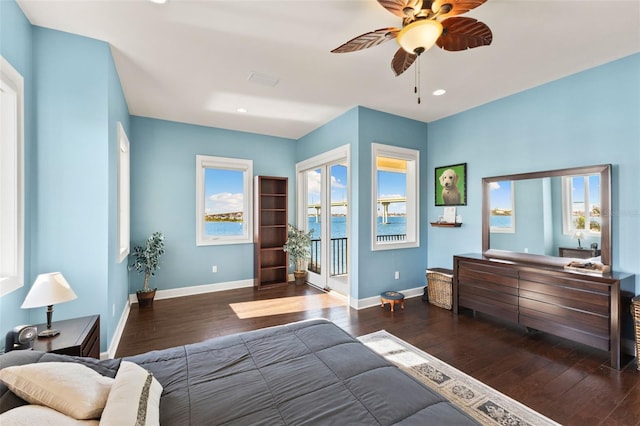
(502, 209)
(391, 218)
(224, 202)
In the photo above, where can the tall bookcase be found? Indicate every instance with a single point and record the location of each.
(270, 232)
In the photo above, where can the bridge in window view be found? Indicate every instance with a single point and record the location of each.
(338, 263)
(385, 202)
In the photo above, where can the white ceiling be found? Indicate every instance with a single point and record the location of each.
(189, 61)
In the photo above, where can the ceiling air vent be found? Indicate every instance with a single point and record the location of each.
(263, 79)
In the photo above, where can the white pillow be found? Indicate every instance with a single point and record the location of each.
(134, 398)
(73, 389)
(29, 415)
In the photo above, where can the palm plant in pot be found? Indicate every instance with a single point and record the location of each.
(298, 246)
(147, 259)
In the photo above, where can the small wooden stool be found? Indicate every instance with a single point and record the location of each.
(392, 297)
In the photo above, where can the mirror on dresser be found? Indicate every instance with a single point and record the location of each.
(543, 217)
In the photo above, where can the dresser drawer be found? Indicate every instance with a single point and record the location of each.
(78, 337)
(566, 306)
(91, 345)
(489, 289)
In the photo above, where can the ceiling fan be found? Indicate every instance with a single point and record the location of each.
(425, 23)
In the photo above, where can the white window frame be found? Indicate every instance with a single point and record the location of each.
(512, 228)
(567, 210)
(246, 166)
(124, 188)
(412, 157)
(11, 179)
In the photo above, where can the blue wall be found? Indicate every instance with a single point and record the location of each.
(16, 46)
(584, 119)
(340, 131)
(530, 220)
(373, 272)
(377, 268)
(118, 282)
(163, 191)
(76, 171)
(71, 184)
(73, 101)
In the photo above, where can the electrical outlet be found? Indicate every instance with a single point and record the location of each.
(113, 310)
(214, 268)
(397, 275)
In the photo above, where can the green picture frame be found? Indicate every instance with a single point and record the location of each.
(451, 185)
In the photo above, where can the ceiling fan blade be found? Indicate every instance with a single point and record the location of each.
(448, 8)
(402, 60)
(464, 33)
(397, 7)
(367, 40)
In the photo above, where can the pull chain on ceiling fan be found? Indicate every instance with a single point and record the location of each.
(416, 80)
(425, 23)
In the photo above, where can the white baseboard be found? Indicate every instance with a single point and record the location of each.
(197, 289)
(117, 334)
(375, 300)
(628, 346)
(168, 294)
(210, 288)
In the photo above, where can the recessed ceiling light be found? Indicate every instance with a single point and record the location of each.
(158, 1)
(439, 92)
(241, 110)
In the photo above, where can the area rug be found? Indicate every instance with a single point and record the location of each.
(483, 403)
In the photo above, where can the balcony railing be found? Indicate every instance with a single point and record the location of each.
(339, 254)
(391, 237)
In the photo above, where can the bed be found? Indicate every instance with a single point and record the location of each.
(309, 372)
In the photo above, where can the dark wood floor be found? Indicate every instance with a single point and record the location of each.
(566, 381)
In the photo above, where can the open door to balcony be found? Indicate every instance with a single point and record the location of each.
(323, 205)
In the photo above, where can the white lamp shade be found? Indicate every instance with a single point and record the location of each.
(48, 289)
(419, 34)
(578, 234)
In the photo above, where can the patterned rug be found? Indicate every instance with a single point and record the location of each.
(485, 404)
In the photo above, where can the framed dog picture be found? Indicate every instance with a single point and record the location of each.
(451, 185)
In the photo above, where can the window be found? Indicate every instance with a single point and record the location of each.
(503, 211)
(123, 194)
(395, 197)
(11, 179)
(581, 204)
(223, 200)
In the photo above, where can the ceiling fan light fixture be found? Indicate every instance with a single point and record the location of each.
(419, 35)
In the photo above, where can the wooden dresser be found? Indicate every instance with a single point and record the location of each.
(582, 307)
(78, 337)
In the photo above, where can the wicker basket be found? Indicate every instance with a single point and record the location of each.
(439, 282)
(635, 312)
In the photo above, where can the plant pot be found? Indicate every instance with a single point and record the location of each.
(145, 298)
(300, 277)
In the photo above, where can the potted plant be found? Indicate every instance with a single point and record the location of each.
(298, 246)
(147, 259)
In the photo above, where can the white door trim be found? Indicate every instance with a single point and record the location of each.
(340, 154)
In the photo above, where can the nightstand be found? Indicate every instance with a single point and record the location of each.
(78, 337)
(580, 253)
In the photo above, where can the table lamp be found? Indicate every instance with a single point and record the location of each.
(578, 235)
(48, 290)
